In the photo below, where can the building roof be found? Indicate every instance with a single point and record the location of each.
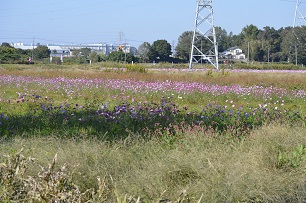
(233, 48)
(54, 47)
(23, 46)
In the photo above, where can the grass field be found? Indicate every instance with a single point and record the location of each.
(89, 134)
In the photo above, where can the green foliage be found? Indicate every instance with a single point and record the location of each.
(160, 50)
(292, 159)
(298, 45)
(8, 54)
(70, 120)
(143, 52)
(120, 56)
(210, 73)
(157, 149)
(24, 53)
(94, 57)
(184, 44)
(135, 170)
(54, 184)
(250, 32)
(136, 68)
(41, 52)
(83, 52)
(5, 44)
(265, 66)
(224, 40)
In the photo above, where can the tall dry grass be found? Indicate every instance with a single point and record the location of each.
(219, 170)
(291, 81)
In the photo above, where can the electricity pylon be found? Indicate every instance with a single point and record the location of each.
(298, 14)
(204, 32)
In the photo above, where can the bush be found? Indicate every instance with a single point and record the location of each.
(135, 68)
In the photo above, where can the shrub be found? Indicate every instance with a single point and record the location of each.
(136, 68)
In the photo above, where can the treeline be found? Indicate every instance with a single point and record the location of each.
(160, 51)
(262, 45)
(9, 54)
(286, 45)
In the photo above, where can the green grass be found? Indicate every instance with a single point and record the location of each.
(219, 169)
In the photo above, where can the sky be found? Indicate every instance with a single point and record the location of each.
(133, 21)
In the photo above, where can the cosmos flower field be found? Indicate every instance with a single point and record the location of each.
(117, 107)
(162, 135)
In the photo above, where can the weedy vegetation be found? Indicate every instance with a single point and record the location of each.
(133, 134)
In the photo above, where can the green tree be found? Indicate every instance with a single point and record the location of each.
(287, 44)
(8, 54)
(41, 52)
(270, 41)
(85, 52)
(299, 44)
(6, 44)
(143, 52)
(24, 52)
(250, 33)
(153, 55)
(235, 40)
(250, 42)
(160, 50)
(222, 39)
(257, 52)
(120, 56)
(184, 45)
(94, 57)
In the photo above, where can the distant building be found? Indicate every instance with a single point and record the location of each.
(66, 50)
(58, 51)
(23, 46)
(233, 53)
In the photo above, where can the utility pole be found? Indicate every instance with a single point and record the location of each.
(125, 51)
(173, 48)
(120, 38)
(294, 24)
(268, 55)
(248, 53)
(33, 50)
(204, 29)
(297, 15)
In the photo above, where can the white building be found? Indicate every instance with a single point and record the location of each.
(66, 50)
(234, 53)
(23, 46)
(58, 51)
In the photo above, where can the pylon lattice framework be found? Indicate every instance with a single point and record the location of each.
(204, 31)
(298, 14)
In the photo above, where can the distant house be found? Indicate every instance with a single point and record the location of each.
(57, 51)
(233, 53)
